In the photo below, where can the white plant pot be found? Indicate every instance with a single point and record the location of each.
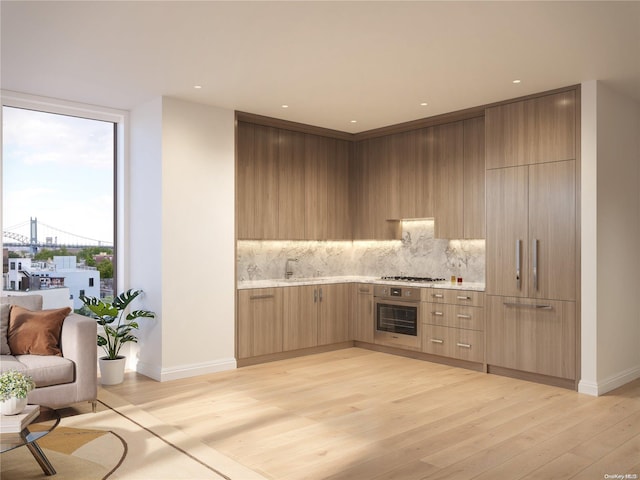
(112, 371)
(13, 406)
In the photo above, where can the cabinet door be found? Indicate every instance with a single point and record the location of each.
(333, 323)
(507, 231)
(257, 185)
(300, 317)
(291, 185)
(259, 322)
(531, 131)
(337, 191)
(474, 182)
(448, 162)
(377, 203)
(532, 336)
(327, 188)
(415, 173)
(362, 313)
(552, 230)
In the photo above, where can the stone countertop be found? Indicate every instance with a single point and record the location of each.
(280, 282)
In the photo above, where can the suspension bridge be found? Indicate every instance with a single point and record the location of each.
(37, 235)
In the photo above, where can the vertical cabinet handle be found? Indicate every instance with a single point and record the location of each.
(315, 295)
(535, 263)
(518, 282)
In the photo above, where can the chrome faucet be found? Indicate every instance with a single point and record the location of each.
(288, 269)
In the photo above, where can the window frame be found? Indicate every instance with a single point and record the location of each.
(120, 119)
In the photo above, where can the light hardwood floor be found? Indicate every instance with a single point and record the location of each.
(357, 414)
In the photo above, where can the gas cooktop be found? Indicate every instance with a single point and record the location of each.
(414, 279)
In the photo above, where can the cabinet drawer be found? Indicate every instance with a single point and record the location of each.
(469, 318)
(468, 345)
(436, 340)
(455, 297)
(457, 316)
(438, 314)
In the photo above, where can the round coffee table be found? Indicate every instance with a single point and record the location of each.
(47, 421)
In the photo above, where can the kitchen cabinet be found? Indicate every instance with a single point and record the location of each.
(448, 183)
(362, 319)
(259, 325)
(473, 198)
(415, 172)
(333, 316)
(457, 151)
(257, 182)
(531, 231)
(453, 324)
(315, 315)
(291, 185)
(536, 130)
(376, 200)
(300, 317)
(326, 168)
(532, 335)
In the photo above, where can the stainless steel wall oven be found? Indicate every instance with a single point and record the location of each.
(397, 316)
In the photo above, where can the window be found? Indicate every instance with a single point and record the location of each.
(82, 293)
(60, 186)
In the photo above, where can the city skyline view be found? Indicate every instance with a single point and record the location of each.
(58, 169)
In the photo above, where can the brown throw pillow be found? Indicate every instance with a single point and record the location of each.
(36, 332)
(4, 329)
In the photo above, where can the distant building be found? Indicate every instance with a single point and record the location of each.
(27, 275)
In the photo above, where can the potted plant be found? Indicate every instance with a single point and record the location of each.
(14, 387)
(118, 330)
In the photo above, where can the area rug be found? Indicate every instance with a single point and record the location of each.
(121, 441)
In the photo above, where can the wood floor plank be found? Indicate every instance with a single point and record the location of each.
(358, 414)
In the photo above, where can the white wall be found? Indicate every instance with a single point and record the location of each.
(182, 201)
(611, 229)
(143, 220)
(198, 218)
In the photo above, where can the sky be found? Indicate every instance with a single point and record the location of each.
(59, 169)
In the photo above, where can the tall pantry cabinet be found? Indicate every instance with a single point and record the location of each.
(531, 244)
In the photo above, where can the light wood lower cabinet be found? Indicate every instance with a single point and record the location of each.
(362, 322)
(532, 335)
(274, 320)
(259, 322)
(453, 324)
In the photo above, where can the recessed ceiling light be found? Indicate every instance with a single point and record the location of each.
(516, 81)
(424, 104)
(285, 106)
(197, 87)
(354, 121)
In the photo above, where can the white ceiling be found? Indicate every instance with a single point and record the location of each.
(331, 62)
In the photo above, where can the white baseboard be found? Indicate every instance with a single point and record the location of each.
(611, 383)
(186, 371)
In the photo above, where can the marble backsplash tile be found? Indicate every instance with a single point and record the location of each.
(417, 254)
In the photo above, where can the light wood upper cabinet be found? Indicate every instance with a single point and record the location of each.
(259, 322)
(415, 172)
(531, 231)
(448, 161)
(258, 178)
(292, 185)
(327, 188)
(473, 179)
(376, 200)
(537, 130)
